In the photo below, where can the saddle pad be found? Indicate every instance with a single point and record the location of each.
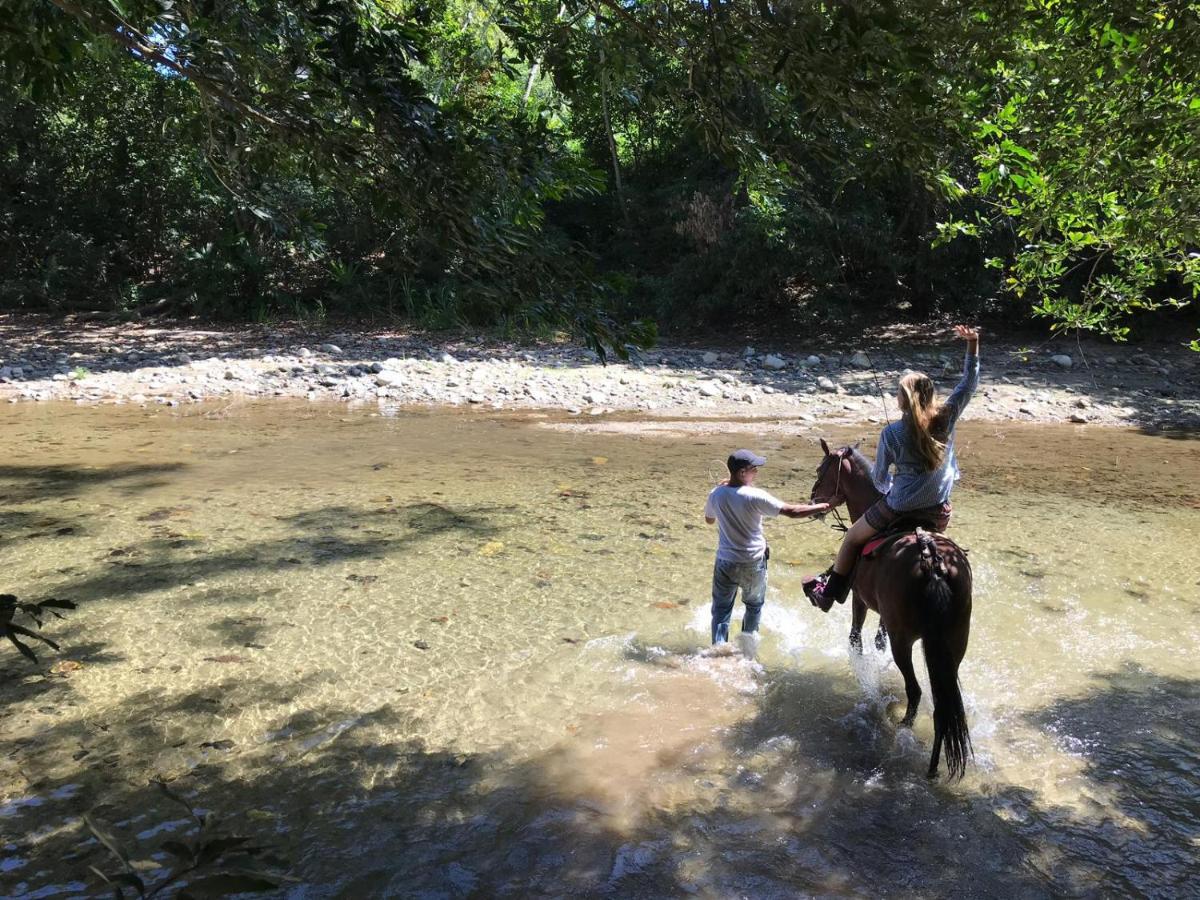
(876, 543)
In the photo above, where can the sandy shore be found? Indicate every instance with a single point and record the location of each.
(1152, 387)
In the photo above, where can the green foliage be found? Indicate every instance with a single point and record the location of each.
(1086, 149)
(550, 164)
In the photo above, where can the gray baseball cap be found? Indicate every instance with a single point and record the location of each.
(740, 459)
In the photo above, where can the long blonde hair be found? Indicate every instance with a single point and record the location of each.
(926, 425)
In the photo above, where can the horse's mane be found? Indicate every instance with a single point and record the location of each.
(861, 465)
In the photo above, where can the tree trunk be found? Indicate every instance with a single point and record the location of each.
(612, 142)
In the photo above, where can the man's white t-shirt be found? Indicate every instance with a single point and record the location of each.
(739, 512)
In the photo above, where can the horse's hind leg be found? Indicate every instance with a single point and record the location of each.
(881, 637)
(858, 615)
(938, 732)
(902, 654)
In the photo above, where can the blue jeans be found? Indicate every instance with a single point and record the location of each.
(751, 577)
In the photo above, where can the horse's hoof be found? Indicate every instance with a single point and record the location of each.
(932, 774)
(880, 642)
(856, 643)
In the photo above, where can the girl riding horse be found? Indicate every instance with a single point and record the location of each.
(921, 449)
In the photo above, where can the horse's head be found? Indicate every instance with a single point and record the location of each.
(835, 467)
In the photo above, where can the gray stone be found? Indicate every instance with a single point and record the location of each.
(772, 361)
(389, 379)
(826, 384)
(812, 360)
(1079, 418)
(748, 352)
(595, 397)
(304, 353)
(447, 358)
(1062, 361)
(710, 358)
(860, 360)
(708, 389)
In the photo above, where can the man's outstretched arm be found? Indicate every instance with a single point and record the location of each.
(803, 510)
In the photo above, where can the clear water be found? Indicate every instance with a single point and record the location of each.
(262, 574)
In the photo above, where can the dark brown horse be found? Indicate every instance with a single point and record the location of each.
(920, 584)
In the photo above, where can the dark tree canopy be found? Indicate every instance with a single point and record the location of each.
(598, 165)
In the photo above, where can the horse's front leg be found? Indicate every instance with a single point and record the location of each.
(857, 617)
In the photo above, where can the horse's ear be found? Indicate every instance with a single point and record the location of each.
(846, 464)
(825, 446)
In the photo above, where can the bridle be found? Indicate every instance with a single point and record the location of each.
(838, 498)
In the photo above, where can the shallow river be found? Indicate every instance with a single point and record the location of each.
(444, 655)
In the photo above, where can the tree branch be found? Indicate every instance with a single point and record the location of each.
(131, 39)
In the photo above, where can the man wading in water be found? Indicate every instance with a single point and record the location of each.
(738, 508)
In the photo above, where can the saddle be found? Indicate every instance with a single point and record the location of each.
(900, 528)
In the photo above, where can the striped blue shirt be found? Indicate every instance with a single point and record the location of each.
(913, 486)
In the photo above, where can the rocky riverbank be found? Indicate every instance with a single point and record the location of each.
(1101, 384)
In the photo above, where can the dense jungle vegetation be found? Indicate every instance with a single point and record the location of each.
(602, 166)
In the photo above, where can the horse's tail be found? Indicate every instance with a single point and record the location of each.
(940, 618)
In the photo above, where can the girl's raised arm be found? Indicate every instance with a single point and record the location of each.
(965, 389)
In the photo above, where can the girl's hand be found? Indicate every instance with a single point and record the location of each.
(971, 335)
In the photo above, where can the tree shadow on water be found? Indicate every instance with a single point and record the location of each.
(26, 484)
(1138, 735)
(792, 800)
(313, 538)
